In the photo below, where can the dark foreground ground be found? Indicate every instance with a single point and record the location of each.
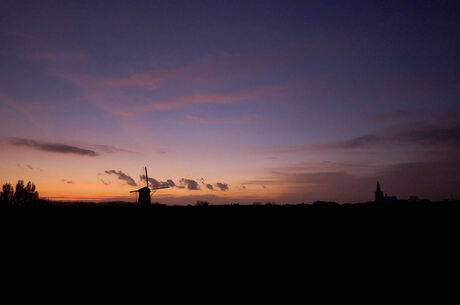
(415, 217)
(400, 204)
(371, 253)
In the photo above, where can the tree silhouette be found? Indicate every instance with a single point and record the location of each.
(6, 196)
(25, 195)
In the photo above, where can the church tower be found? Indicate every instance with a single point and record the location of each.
(378, 193)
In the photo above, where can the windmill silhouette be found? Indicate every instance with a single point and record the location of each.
(144, 192)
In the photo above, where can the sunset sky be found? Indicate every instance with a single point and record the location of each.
(231, 101)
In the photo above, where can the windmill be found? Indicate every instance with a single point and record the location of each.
(144, 192)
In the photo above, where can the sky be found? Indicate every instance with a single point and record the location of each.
(231, 101)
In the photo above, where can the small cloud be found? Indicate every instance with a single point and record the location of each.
(209, 186)
(122, 176)
(222, 186)
(67, 181)
(30, 167)
(190, 184)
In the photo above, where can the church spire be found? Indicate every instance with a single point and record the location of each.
(378, 193)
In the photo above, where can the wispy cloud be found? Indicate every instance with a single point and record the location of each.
(121, 101)
(205, 71)
(52, 147)
(122, 176)
(146, 80)
(212, 98)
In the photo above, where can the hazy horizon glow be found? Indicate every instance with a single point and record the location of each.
(234, 101)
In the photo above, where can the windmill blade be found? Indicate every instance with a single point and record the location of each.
(146, 177)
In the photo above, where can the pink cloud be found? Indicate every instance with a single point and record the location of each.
(205, 71)
(269, 91)
(213, 98)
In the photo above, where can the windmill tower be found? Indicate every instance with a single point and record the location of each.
(144, 192)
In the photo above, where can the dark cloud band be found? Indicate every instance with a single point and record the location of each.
(418, 135)
(52, 147)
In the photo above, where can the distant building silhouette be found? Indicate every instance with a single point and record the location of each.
(380, 197)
